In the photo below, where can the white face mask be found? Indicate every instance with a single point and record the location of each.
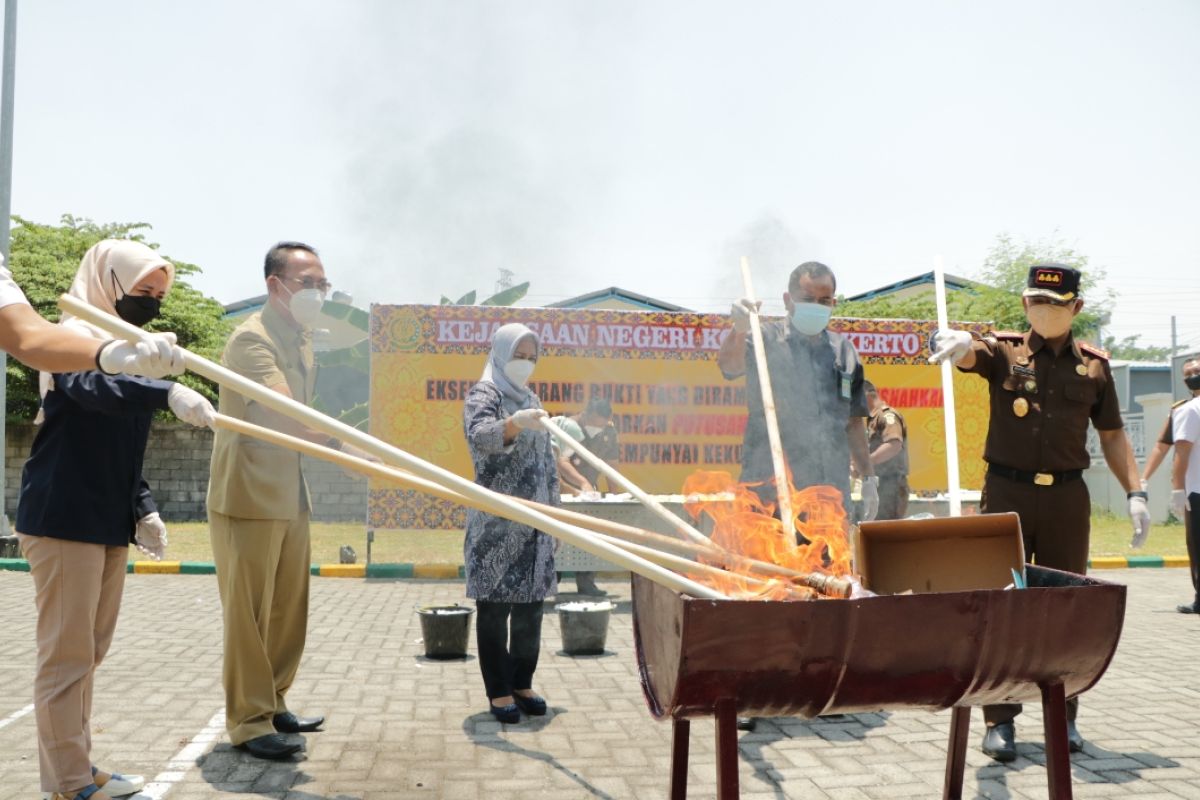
(1050, 321)
(518, 371)
(810, 318)
(593, 430)
(305, 305)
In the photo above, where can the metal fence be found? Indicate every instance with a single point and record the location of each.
(1135, 426)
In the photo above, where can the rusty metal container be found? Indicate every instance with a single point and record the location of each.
(936, 650)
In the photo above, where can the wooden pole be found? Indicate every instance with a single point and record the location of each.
(494, 502)
(943, 321)
(655, 555)
(681, 526)
(782, 487)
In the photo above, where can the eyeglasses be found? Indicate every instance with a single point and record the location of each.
(322, 285)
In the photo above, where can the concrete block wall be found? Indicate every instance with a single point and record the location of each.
(177, 470)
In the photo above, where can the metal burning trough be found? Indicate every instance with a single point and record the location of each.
(937, 650)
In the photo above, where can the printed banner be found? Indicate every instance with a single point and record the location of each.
(673, 409)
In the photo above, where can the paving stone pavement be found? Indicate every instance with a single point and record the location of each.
(402, 726)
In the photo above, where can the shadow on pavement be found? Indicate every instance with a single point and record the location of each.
(483, 730)
(227, 769)
(836, 727)
(1093, 765)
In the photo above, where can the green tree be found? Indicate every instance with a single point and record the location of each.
(1128, 349)
(997, 298)
(44, 260)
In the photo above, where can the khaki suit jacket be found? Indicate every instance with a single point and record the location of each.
(249, 478)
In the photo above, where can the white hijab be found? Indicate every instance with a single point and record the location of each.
(504, 344)
(109, 270)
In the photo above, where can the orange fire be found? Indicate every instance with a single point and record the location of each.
(742, 523)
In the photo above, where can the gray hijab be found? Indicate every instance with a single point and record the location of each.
(504, 344)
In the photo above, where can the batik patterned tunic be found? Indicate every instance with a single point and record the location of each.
(507, 562)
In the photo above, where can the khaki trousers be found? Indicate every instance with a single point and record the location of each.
(262, 574)
(78, 589)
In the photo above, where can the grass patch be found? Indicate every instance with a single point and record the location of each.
(189, 542)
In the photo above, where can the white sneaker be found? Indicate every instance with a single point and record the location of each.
(120, 785)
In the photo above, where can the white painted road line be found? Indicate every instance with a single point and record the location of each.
(16, 715)
(185, 759)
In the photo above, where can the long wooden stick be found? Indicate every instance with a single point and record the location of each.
(669, 561)
(496, 503)
(639, 542)
(782, 488)
(681, 526)
(943, 321)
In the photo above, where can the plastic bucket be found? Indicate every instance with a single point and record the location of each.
(584, 627)
(445, 630)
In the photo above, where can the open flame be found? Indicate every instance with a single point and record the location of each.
(742, 523)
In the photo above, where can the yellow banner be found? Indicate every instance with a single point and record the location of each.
(674, 411)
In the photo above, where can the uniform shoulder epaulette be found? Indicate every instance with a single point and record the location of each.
(1092, 350)
(1178, 403)
(1008, 334)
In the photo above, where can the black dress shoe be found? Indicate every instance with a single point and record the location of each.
(287, 722)
(1074, 740)
(270, 746)
(510, 713)
(533, 706)
(1190, 608)
(747, 723)
(1000, 742)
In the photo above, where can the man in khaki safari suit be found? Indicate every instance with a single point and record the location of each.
(258, 510)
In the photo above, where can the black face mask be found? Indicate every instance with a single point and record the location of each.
(1192, 382)
(135, 309)
(138, 309)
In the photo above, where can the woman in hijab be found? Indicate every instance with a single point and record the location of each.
(83, 500)
(509, 566)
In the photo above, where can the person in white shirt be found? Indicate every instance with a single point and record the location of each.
(45, 346)
(1185, 475)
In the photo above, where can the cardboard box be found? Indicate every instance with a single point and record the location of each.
(949, 554)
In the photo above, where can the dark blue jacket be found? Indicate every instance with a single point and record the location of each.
(83, 480)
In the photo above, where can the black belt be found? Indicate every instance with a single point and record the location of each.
(1039, 478)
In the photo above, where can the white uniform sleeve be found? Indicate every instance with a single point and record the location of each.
(1186, 423)
(10, 293)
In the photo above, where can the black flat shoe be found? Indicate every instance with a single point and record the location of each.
(1190, 608)
(533, 706)
(271, 746)
(510, 713)
(287, 722)
(1074, 740)
(1000, 742)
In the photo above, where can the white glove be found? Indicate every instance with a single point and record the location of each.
(529, 418)
(870, 497)
(950, 344)
(740, 313)
(191, 406)
(155, 356)
(1179, 503)
(1140, 515)
(151, 536)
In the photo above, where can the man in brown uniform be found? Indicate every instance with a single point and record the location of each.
(258, 510)
(887, 439)
(1045, 387)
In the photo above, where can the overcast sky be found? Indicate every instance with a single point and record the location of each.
(424, 146)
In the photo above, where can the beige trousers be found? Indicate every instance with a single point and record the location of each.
(262, 574)
(78, 593)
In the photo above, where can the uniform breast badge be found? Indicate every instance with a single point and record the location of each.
(1020, 406)
(1080, 369)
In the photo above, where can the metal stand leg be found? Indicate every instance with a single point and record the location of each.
(727, 751)
(1058, 758)
(681, 730)
(956, 752)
